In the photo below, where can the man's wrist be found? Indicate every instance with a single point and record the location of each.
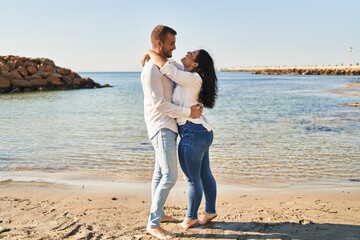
(186, 111)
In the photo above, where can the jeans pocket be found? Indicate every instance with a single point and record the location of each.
(167, 139)
(188, 140)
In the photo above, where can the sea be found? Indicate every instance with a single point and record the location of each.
(269, 130)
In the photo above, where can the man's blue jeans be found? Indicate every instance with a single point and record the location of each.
(195, 164)
(165, 173)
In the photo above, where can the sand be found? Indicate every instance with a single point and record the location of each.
(44, 210)
(351, 89)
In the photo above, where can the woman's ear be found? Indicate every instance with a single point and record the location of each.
(195, 64)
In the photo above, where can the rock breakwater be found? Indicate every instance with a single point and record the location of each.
(22, 74)
(336, 70)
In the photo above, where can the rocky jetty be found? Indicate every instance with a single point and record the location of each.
(22, 74)
(336, 70)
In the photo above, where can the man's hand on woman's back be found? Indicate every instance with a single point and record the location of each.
(196, 110)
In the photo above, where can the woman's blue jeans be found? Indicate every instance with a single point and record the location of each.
(194, 160)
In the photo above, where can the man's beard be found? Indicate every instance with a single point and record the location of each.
(167, 54)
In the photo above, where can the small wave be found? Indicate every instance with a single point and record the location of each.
(322, 129)
(37, 168)
(354, 179)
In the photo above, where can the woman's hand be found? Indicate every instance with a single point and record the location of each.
(145, 58)
(155, 57)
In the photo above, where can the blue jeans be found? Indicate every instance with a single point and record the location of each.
(165, 173)
(195, 164)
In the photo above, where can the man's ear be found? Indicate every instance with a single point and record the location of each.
(159, 44)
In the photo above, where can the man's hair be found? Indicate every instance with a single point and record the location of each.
(160, 32)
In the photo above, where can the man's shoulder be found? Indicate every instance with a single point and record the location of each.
(149, 65)
(150, 70)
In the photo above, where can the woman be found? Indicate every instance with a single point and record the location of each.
(196, 83)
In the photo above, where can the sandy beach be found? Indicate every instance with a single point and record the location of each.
(44, 210)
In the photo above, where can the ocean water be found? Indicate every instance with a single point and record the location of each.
(268, 130)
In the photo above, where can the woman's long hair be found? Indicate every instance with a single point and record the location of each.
(206, 70)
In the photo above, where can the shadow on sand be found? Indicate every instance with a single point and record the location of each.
(282, 230)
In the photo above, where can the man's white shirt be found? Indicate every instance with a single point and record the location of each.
(159, 111)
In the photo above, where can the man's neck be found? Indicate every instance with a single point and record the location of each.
(160, 54)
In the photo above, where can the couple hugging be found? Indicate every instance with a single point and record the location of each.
(174, 97)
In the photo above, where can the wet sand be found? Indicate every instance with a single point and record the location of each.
(351, 89)
(43, 210)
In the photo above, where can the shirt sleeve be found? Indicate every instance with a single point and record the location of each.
(181, 77)
(179, 66)
(154, 87)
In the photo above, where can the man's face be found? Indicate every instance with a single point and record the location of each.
(169, 45)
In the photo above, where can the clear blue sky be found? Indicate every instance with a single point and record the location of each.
(111, 35)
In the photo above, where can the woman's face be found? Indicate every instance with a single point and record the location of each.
(189, 60)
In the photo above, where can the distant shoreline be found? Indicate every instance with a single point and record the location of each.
(330, 70)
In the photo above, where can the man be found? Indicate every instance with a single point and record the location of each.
(160, 114)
